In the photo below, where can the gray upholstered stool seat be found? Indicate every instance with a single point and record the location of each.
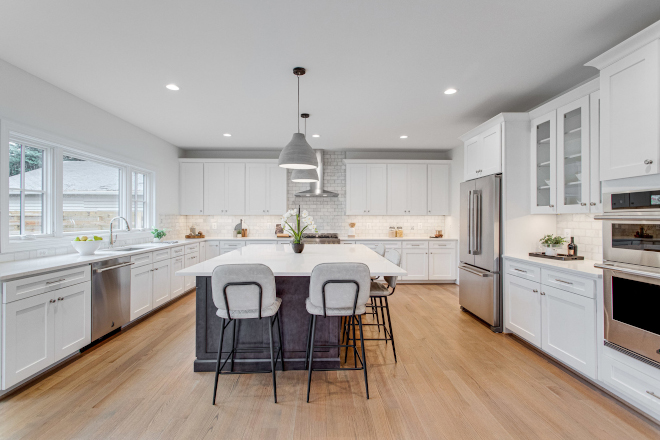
(334, 311)
(246, 291)
(379, 289)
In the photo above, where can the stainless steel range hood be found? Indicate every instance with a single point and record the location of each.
(316, 188)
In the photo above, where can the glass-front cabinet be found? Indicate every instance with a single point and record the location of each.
(544, 154)
(573, 157)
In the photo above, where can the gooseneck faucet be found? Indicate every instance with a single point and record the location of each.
(128, 226)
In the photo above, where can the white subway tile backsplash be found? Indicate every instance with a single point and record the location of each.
(586, 231)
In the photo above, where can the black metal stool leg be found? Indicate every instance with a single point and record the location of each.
(389, 320)
(233, 343)
(348, 339)
(309, 340)
(279, 331)
(376, 310)
(354, 342)
(272, 359)
(217, 364)
(364, 357)
(311, 356)
(382, 316)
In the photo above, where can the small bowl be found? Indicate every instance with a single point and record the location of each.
(86, 247)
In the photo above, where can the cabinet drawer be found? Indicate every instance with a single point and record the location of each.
(163, 254)
(284, 241)
(442, 245)
(27, 287)
(261, 242)
(370, 244)
(569, 283)
(392, 245)
(176, 251)
(142, 259)
(191, 248)
(522, 270)
(231, 244)
(635, 384)
(347, 242)
(415, 244)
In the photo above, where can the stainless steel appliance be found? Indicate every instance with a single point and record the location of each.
(480, 289)
(321, 238)
(631, 273)
(111, 295)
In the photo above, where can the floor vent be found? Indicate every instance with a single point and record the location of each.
(632, 354)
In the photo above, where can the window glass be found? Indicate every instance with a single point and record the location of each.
(139, 200)
(91, 194)
(27, 191)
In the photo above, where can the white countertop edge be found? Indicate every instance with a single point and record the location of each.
(397, 239)
(580, 267)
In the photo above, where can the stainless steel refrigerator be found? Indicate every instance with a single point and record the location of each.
(480, 289)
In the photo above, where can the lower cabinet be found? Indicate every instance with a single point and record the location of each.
(43, 329)
(190, 260)
(442, 264)
(176, 283)
(416, 263)
(212, 249)
(161, 283)
(141, 290)
(524, 308)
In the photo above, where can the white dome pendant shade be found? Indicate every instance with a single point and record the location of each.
(298, 154)
(305, 175)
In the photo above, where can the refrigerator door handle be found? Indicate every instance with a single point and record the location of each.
(469, 234)
(475, 271)
(476, 222)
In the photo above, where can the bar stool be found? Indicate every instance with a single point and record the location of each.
(246, 291)
(337, 289)
(380, 250)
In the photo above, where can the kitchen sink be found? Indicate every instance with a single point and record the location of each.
(122, 249)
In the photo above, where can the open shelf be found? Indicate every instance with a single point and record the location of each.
(544, 164)
(575, 130)
(574, 156)
(544, 187)
(544, 141)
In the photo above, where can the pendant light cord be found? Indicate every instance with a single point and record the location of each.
(298, 104)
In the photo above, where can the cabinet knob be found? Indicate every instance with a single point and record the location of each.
(551, 206)
(52, 301)
(535, 291)
(60, 299)
(648, 162)
(592, 203)
(542, 293)
(583, 204)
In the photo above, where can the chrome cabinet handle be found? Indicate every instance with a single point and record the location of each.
(519, 270)
(58, 281)
(648, 162)
(653, 394)
(562, 281)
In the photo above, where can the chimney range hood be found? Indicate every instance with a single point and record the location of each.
(316, 188)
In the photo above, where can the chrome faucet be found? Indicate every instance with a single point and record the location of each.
(128, 226)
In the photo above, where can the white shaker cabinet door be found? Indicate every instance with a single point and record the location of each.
(438, 189)
(397, 189)
(256, 195)
(234, 187)
(376, 189)
(523, 304)
(191, 188)
(141, 286)
(276, 190)
(27, 337)
(491, 151)
(190, 260)
(176, 282)
(473, 161)
(442, 264)
(573, 157)
(356, 189)
(544, 164)
(569, 329)
(630, 115)
(73, 320)
(417, 187)
(595, 185)
(416, 263)
(212, 249)
(161, 292)
(215, 194)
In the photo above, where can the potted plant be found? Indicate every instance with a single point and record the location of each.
(301, 222)
(158, 234)
(550, 243)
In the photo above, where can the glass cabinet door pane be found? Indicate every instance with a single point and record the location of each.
(543, 168)
(572, 178)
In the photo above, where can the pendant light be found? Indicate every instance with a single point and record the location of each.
(311, 175)
(298, 155)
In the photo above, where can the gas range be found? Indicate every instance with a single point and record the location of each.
(321, 238)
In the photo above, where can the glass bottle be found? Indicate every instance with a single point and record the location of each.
(572, 248)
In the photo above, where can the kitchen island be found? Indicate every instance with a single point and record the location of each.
(292, 272)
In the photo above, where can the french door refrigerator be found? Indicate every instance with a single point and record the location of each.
(480, 290)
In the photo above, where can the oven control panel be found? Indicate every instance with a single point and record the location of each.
(636, 200)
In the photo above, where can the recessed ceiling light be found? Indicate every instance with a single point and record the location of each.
(404, 137)
(316, 135)
(450, 91)
(227, 135)
(172, 87)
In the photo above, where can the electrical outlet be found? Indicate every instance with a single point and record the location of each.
(420, 226)
(214, 226)
(42, 252)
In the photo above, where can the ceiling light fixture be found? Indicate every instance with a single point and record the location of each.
(227, 135)
(298, 154)
(403, 137)
(311, 175)
(450, 91)
(316, 135)
(172, 87)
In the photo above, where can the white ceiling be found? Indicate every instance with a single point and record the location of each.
(377, 69)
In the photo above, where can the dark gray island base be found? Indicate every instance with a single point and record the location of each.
(253, 333)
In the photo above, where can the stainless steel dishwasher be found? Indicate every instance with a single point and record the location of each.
(111, 295)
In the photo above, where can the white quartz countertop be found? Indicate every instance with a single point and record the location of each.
(284, 262)
(580, 267)
(345, 238)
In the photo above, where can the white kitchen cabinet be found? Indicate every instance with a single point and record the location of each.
(483, 154)
(630, 114)
(191, 188)
(43, 329)
(265, 189)
(161, 291)
(573, 157)
(224, 188)
(366, 189)
(442, 264)
(595, 185)
(141, 290)
(190, 260)
(523, 308)
(212, 249)
(407, 187)
(416, 263)
(569, 329)
(438, 189)
(544, 164)
(177, 283)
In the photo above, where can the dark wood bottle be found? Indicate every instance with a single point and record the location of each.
(572, 248)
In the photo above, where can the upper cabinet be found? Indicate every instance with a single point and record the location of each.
(630, 106)
(483, 153)
(573, 157)
(438, 195)
(407, 187)
(366, 186)
(217, 187)
(544, 165)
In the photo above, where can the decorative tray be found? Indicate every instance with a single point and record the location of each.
(196, 236)
(560, 257)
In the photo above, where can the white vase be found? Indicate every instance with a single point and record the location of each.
(551, 251)
(156, 240)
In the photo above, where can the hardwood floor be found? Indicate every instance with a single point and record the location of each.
(455, 379)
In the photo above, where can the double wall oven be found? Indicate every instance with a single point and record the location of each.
(631, 272)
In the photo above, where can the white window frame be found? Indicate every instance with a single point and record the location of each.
(56, 148)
